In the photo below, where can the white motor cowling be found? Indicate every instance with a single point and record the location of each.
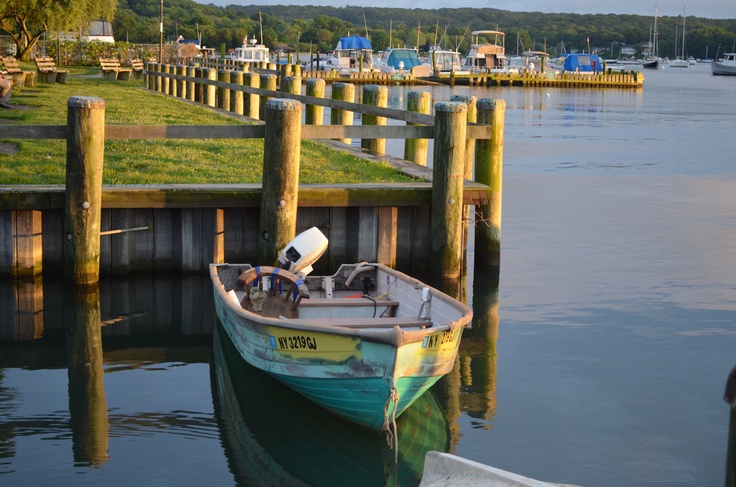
(303, 251)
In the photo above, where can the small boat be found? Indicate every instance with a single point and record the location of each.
(365, 342)
(399, 60)
(251, 52)
(680, 61)
(725, 65)
(488, 56)
(445, 61)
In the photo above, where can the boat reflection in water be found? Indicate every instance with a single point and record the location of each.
(274, 436)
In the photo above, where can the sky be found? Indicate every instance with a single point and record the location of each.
(711, 9)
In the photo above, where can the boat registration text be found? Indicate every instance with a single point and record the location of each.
(438, 339)
(293, 342)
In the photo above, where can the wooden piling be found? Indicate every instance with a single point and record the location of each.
(191, 90)
(376, 96)
(281, 158)
(447, 190)
(344, 92)
(236, 102)
(415, 150)
(315, 113)
(165, 82)
(181, 85)
(83, 203)
(489, 171)
(291, 84)
(223, 94)
(210, 91)
(251, 101)
(472, 103)
(267, 82)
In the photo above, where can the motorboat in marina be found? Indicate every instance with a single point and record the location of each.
(725, 65)
(487, 52)
(445, 61)
(251, 52)
(400, 60)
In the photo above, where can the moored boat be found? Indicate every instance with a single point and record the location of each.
(487, 52)
(725, 65)
(251, 52)
(365, 342)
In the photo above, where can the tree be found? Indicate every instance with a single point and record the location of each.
(26, 21)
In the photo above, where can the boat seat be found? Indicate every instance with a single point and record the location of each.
(402, 322)
(348, 302)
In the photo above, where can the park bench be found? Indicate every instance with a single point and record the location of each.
(111, 70)
(20, 77)
(47, 71)
(137, 67)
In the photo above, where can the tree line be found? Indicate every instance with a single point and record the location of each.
(319, 28)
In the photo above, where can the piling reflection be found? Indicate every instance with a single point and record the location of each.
(478, 348)
(274, 436)
(87, 402)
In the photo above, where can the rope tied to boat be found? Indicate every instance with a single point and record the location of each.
(389, 425)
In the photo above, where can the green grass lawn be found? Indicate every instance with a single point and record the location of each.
(171, 161)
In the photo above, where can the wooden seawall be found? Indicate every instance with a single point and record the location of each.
(184, 228)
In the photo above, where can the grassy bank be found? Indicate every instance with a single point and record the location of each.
(207, 161)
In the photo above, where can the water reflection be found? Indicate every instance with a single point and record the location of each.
(87, 402)
(274, 436)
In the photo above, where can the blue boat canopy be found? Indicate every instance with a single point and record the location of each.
(354, 42)
(583, 62)
(407, 56)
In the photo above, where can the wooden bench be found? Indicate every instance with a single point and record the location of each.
(111, 70)
(401, 322)
(137, 66)
(20, 77)
(47, 71)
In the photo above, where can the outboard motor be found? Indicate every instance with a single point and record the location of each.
(303, 251)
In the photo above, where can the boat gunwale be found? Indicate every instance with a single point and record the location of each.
(394, 335)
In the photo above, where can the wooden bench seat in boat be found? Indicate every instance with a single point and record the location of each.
(349, 302)
(400, 321)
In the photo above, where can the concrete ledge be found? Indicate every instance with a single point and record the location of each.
(445, 470)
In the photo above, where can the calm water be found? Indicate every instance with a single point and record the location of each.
(598, 358)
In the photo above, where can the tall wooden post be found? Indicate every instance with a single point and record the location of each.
(315, 113)
(281, 157)
(415, 150)
(165, 82)
(223, 94)
(472, 103)
(447, 190)
(376, 96)
(236, 103)
(181, 85)
(85, 152)
(198, 86)
(191, 89)
(252, 103)
(489, 171)
(268, 82)
(173, 83)
(344, 92)
(210, 91)
(291, 84)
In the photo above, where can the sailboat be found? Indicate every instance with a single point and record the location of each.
(681, 62)
(651, 60)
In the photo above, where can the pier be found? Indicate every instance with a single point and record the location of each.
(183, 228)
